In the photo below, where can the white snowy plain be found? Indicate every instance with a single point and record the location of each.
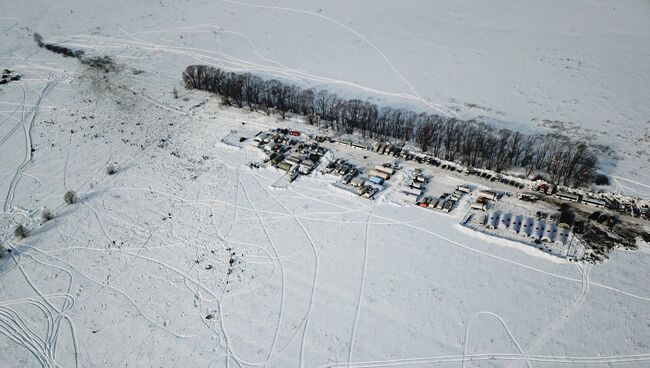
(141, 271)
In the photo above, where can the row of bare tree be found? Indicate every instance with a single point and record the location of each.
(471, 143)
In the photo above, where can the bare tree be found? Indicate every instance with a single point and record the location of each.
(425, 135)
(475, 143)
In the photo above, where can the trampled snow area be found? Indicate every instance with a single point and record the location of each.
(187, 257)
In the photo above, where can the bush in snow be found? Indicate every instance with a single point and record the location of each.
(111, 169)
(21, 232)
(47, 215)
(70, 197)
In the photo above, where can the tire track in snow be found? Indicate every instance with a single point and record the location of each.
(568, 312)
(505, 327)
(575, 360)
(202, 56)
(282, 297)
(406, 224)
(13, 326)
(361, 286)
(123, 293)
(437, 107)
(312, 294)
(28, 145)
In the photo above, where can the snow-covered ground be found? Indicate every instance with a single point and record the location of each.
(187, 257)
(577, 67)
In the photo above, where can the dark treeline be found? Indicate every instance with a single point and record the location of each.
(99, 62)
(471, 143)
(65, 51)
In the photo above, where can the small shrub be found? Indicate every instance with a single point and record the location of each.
(47, 215)
(601, 179)
(111, 169)
(21, 232)
(105, 62)
(70, 197)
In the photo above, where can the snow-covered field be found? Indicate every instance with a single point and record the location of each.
(575, 67)
(187, 257)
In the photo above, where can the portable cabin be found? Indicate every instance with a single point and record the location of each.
(358, 181)
(375, 180)
(487, 194)
(293, 175)
(362, 189)
(448, 205)
(569, 196)
(306, 167)
(479, 206)
(260, 137)
(537, 230)
(420, 178)
(387, 149)
(526, 226)
(594, 202)
(285, 166)
(370, 184)
(293, 159)
(515, 224)
(385, 169)
(504, 221)
(492, 220)
(268, 148)
(417, 185)
(375, 147)
(464, 189)
(551, 189)
(277, 158)
(347, 178)
(370, 193)
(528, 197)
(440, 203)
(274, 155)
(380, 174)
(549, 232)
